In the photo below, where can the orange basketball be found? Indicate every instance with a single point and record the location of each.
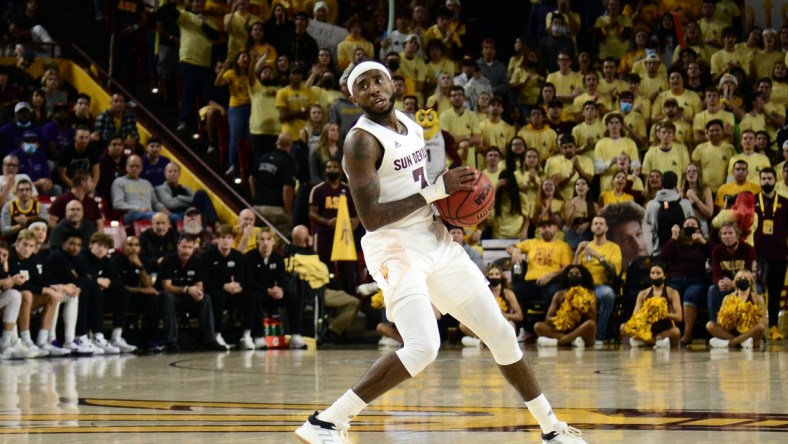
(467, 208)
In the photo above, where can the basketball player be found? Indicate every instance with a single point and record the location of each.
(415, 263)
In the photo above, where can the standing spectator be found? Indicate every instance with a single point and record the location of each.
(687, 101)
(686, 253)
(169, 40)
(693, 189)
(74, 222)
(493, 70)
(343, 111)
(346, 47)
(264, 124)
(463, 125)
(447, 31)
(292, 101)
(134, 195)
(668, 156)
(412, 65)
(237, 24)
(182, 284)
(613, 30)
(770, 244)
(755, 160)
(558, 39)
(153, 163)
(224, 265)
(763, 61)
(17, 214)
(297, 44)
(602, 258)
(727, 259)
(79, 156)
(235, 75)
(107, 123)
(665, 211)
(272, 184)
(128, 18)
(11, 133)
(494, 130)
(81, 191)
(473, 83)
(566, 167)
(713, 111)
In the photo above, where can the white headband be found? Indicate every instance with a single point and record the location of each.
(363, 67)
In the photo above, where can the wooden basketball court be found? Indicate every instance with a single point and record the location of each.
(614, 395)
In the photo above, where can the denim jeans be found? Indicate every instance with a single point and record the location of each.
(238, 122)
(605, 300)
(195, 82)
(691, 289)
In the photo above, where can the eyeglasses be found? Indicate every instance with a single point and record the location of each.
(10, 164)
(20, 190)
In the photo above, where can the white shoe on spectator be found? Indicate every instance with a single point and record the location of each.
(470, 341)
(521, 336)
(579, 342)
(17, 350)
(718, 343)
(33, 348)
(747, 344)
(246, 343)
(636, 342)
(260, 344)
(221, 342)
(662, 343)
(100, 342)
(54, 351)
(83, 346)
(386, 341)
(544, 341)
(599, 344)
(123, 346)
(297, 342)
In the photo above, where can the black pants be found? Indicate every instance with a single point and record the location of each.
(220, 301)
(173, 304)
(259, 306)
(94, 302)
(148, 305)
(774, 280)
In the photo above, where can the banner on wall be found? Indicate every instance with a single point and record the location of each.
(765, 13)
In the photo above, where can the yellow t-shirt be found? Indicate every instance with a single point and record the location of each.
(496, 134)
(238, 35)
(636, 122)
(683, 133)
(649, 86)
(607, 149)
(763, 63)
(780, 93)
(604, 100)
(460, 126)
(195, 47)
(492, 176)
(688, 101)
(704, 117)
(414, 68)
(755, 123)
(251, 244)
(616, 85)
(733, 189)
(583, 131)
(262, 9)
(755, 163)
(545, 257)
(440, 104)
(721, 58)
(544, 140)
(704, 52)
(608, 197)
(713, 163)
(524, 183)
(264, 118)
(676, 159)
(782, 189)
(506, 225)
(346, 47)
(564, 167)
(611, 252)
(613, 44)
(643, 106)
(294, 100)
(238, 84)
(565, 84)
(773, 108)
(262, 49)
(726, 11)
(712, 29)
(532, 86)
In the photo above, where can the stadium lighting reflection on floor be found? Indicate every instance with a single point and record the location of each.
(237, 180)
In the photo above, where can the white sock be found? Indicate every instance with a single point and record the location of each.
(43, 335)
(25, 335)
(343, 409)
(543, 413)
(247, 334)
(98, 336)
(8, 336)
(116, 333)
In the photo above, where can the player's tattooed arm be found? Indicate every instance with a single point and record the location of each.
(361, 154)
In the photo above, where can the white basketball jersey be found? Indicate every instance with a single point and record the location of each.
(403, 170)
(436, 156)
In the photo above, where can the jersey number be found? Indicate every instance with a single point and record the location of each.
(419, 176)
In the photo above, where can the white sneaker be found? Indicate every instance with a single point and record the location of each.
(718, 343)
(579, 342)
(747, 344)
(123, 346)
(367, 289)
(83, 346)
(221, 342)
(260, 344)
(246, 343)
(100, 342)
(315, 431)
(470, 341)
(662, 343)
(54, 351)
(563, 434)
(599, 344)
(386, 341)
(17, 350)
(521, 336)
(297, 342)
(544, 341)
(33, 348)
(636, 342)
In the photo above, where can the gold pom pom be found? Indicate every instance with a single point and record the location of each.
(654, 309)
(376, 301)
(577, 302)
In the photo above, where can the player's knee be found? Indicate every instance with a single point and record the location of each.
(419, 353)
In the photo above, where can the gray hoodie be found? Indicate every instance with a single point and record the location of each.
(652, 208)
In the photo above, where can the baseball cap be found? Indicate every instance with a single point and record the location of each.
(321, 4)
(22, 105)
(411, 37)
(547, 218)
(652, 58)
(191, 211)
(30, 135)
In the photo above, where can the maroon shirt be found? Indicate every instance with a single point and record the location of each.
(326, 199)
(90, 208)
(771, 246)
(727, 264)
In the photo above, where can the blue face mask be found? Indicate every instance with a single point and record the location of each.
(23, 124)
(626, 107)
(29, 148)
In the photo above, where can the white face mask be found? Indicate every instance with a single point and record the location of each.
(558, 30)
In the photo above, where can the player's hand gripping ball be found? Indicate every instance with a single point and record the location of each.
(468, 208)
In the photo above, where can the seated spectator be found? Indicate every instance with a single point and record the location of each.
(107, 120)
(11, 133)
(505, 298)
(153, 163)
(10, 94)
(666, 210)
(40, 229)
(571, 317)
(19, 213)
(741, 321)
(135, 196)
(176, 198)
(158, 241)
(10, 301)
(81, 189)
(246, 234)
(578, 214)
(144, 297)
(82, 116)
(102, 285)
(224, 265)
(602, 258)
(686, 253)
(182, 285)
(33, 162)
(66, 269)
(458, 235)
(81, 155)
(11, 178)
(58, 133)
(727, 193)
(727, 259)
(74, 221)
(112, 164)
(193, 225)
(663, 333)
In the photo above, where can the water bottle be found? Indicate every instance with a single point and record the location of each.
(588, 258)
(517, 268)
(267, 326)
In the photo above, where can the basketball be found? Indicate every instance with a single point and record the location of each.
(467, 208)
